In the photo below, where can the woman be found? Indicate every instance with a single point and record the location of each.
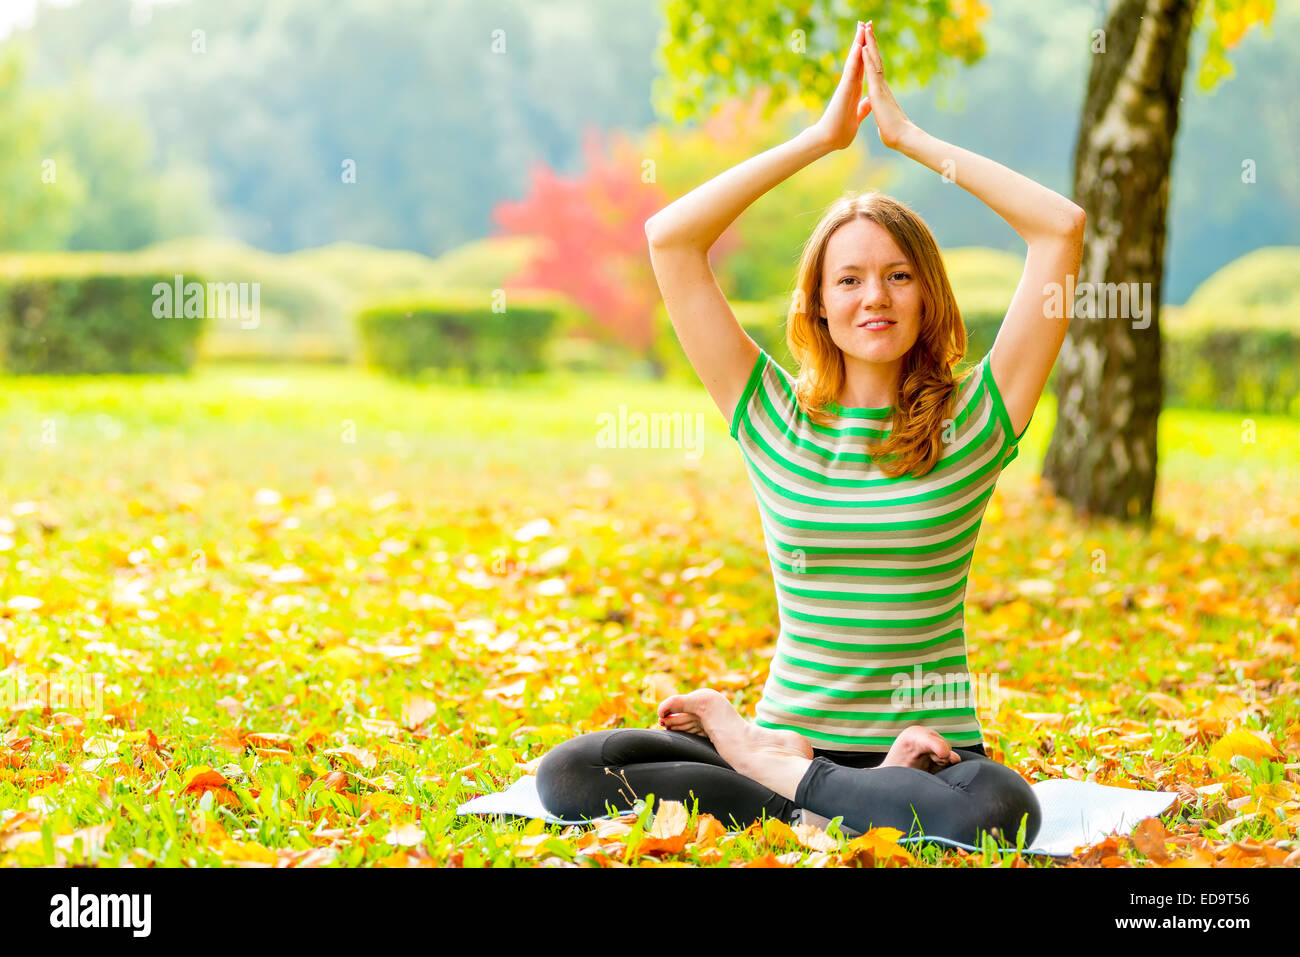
(872, 471)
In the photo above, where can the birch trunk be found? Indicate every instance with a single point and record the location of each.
(1102, 455)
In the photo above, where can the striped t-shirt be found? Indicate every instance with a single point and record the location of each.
(870, 571)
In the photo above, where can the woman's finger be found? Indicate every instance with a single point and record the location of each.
(855, 53)
(872, 51)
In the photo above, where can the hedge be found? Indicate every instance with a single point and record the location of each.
(459, 332)
(91, 313)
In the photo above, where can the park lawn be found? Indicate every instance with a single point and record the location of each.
(327, 608)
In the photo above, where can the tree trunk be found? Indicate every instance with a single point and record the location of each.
(1102, 456)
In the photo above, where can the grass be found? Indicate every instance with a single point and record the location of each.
(328, 607)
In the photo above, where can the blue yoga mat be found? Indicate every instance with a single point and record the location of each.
(1075, 813)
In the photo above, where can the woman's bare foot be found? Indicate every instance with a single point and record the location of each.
(776, 759)
(922, 748)
(680, 720)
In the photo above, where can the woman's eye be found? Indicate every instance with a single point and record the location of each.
(903, 274)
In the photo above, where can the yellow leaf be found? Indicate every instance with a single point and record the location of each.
(657, 686)
(1165, 704)
(416, 711)
(1245, 741)
(878, 846)
(238, 851)
(267, 739)
(778, 832)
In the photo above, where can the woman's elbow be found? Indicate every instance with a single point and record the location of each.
(1078, 219)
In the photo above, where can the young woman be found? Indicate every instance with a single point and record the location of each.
(872, 471)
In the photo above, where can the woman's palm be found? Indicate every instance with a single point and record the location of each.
(845, 112)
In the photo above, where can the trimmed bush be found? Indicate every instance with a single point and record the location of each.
(1253, 370)
(1259, 290)
(459, 332)
(90, 313)
(303, 312)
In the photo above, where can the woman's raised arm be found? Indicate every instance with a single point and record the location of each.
(1029, 338)
(681, 234)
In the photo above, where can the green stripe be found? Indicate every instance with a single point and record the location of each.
(961, 384)
(942, 519)
(838, 692)
(952, 738)
(860, 597)
(948, 463)
(939, 492)
(755, 374)
(857, 646)
(912, 716)
(956, 610)
(860, 572)
(972, 533)
(862, 671)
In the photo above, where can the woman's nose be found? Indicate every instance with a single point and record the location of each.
(874, 293)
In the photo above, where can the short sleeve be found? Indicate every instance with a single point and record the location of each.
(1010, 441)
(751, 395)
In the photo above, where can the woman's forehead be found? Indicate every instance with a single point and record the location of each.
(862, 244)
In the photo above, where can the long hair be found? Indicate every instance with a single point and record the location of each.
(927, 386)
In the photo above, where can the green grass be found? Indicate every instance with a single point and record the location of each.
(163, 560)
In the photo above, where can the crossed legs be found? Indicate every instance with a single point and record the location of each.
(780, 759)
(740, 773)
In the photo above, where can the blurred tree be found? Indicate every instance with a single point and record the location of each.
(128, 201)
(1102, 456)
(75, 174)
(38, 183)
(397, 123)
(594, 227)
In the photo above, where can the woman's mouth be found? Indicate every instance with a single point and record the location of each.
(876, 324)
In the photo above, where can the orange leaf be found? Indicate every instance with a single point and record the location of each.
(268, 739)
(355, 756)
(201, 777)
(1149, 837)
(657, 686)
(877, 846)
(708, 829)
(777, 833)
(416, 711)
(333, 781)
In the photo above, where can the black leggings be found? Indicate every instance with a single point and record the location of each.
(578, 778)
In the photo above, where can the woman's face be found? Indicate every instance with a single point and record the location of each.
(866, 276)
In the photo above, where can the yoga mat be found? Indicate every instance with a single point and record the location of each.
(1075, 813)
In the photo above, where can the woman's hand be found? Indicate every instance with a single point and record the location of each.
(891, 121)
(845, 112)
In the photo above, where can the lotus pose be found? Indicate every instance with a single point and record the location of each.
(872, 471)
